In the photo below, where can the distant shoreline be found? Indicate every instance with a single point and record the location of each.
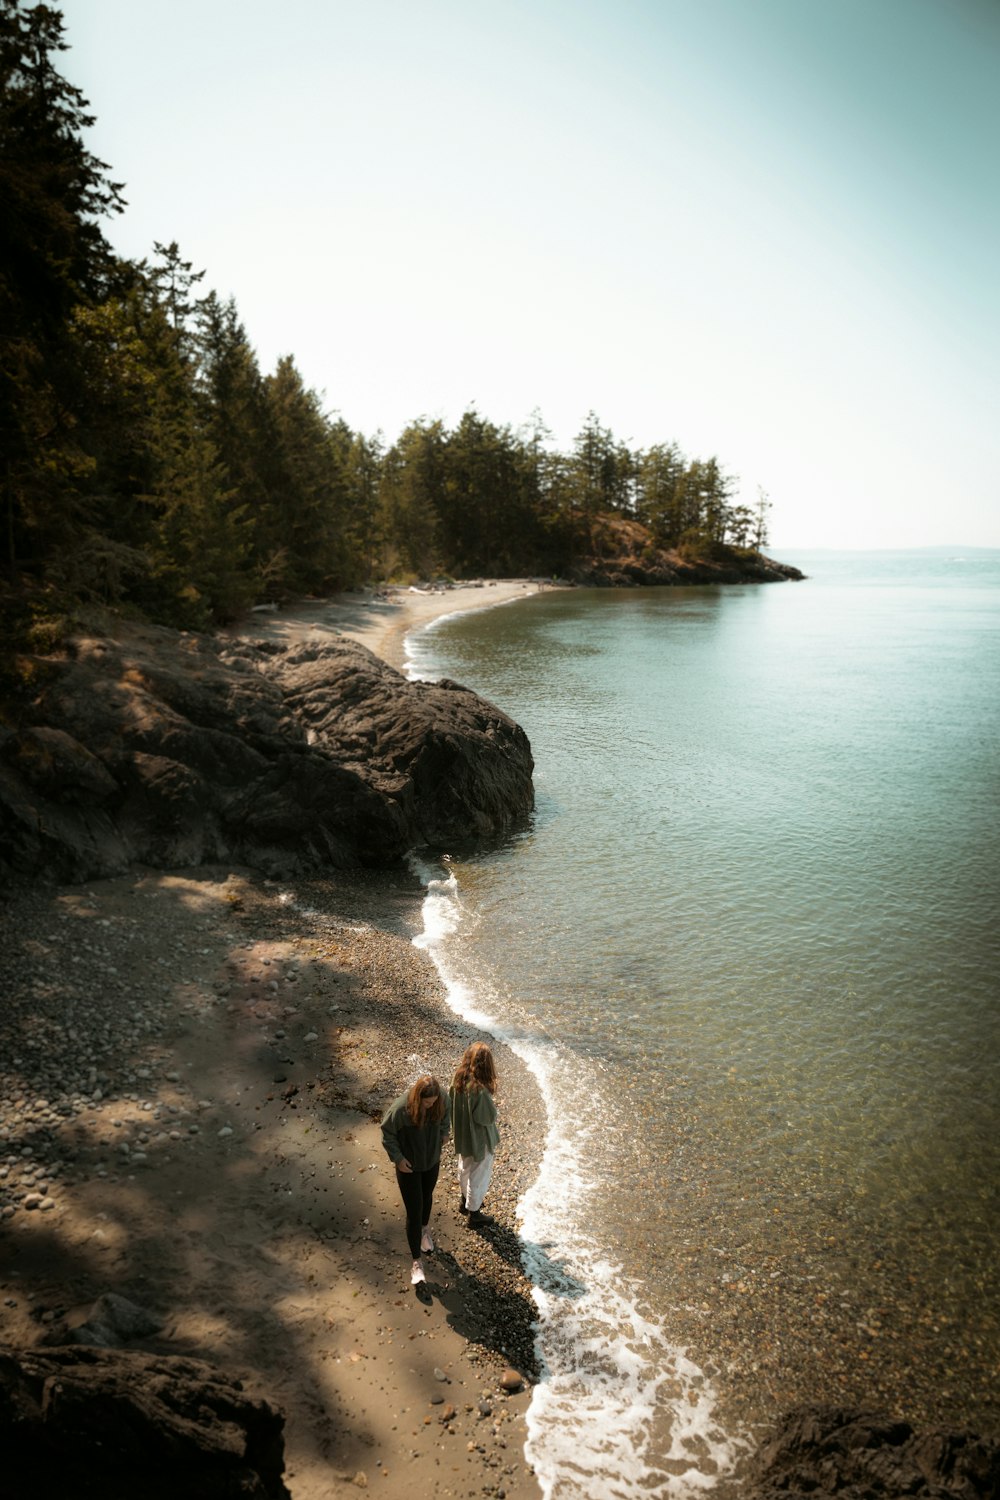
(382, 619)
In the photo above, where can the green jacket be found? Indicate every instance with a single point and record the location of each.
(419, 1144)
(475, 1117)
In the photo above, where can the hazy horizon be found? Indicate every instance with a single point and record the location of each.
(764, 231)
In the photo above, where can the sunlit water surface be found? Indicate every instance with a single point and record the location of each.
(748, 945)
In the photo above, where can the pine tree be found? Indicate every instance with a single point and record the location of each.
(412, 475)
(364, 476)
(659, 491)
(237, 419)
(53, 258)
(758, 536)
(173, 279)
(201, 543)
(312, 478)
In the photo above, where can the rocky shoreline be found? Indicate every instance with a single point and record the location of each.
(142, 745)
(192, 1066)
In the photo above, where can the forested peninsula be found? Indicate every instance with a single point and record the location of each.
(151, 467)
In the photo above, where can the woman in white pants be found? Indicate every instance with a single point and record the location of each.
(474, 1127)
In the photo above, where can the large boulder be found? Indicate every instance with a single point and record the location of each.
(858, 1455)
(110, 1424)
(148, 746)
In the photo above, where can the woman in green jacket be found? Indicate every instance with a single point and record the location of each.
(474, 1114)
(414, 1128)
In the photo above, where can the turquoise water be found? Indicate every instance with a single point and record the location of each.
(748, 943)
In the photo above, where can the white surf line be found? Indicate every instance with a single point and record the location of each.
(612, 1379)
(409, 665)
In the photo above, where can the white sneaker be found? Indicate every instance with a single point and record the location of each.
(417, 1274)
(426, 1243)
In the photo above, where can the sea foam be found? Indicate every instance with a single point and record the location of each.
(620, 1409)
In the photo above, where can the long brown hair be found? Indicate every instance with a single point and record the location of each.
(477, 1070)
(415, 1100)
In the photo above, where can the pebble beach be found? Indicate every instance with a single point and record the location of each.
(193, 1065)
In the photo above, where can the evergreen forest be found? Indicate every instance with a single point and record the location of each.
(149, 464)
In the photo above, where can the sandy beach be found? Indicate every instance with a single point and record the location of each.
(194, 1065)
(381, 621)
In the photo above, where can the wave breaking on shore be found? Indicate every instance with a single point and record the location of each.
(619, 1407)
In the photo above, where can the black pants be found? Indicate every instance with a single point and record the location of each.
(417, 1192)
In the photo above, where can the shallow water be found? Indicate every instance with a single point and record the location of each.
(748, 944)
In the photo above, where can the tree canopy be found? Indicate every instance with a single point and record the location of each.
(148, 462)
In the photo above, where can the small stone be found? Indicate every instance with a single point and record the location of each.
(510, 1380)
(449, 1414)
(311, 1036)
(439, 1374)
(226, 1130)
(46, 1205)
(32, 1200)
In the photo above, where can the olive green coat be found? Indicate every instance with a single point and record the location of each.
(474, 1121)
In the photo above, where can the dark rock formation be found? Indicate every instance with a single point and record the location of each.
(669, 568)
(145, 745)
(863, 1456)
(103, 1424)
(620, 553)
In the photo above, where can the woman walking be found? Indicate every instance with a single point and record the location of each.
(414, 1128)
(474, 1113)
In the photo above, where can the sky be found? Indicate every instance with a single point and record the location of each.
(766, 230)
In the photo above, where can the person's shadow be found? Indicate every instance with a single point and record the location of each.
(498, 1315)
(533, 1259)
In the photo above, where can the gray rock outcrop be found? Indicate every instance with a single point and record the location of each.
(111, 1322)
(859, 1455)
(103, 1424)
(147, 746)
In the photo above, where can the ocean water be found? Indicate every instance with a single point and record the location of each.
(748, 945)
